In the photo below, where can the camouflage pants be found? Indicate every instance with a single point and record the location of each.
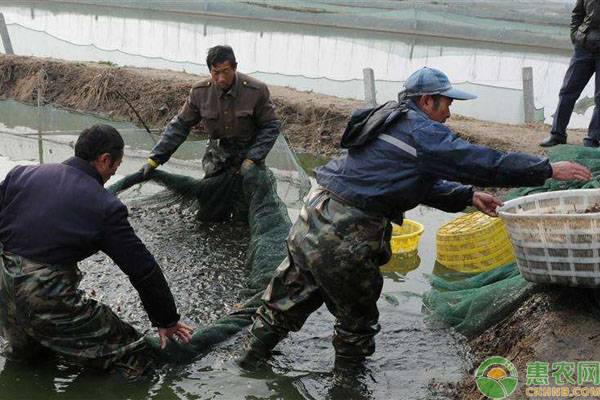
(223, 197)
(334, 256)
(42, 309)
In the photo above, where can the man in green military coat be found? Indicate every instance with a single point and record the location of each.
(237, 113)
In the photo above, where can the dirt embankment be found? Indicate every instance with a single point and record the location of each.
(311, 122)
(554, 325)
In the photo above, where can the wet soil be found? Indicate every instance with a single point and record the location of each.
(312, 123)
(556, 324)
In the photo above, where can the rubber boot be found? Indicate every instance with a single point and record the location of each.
(26, 354)
(349, 379)
(256, 354)
(348, 364)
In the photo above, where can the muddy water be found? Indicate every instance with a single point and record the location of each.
(205, 267)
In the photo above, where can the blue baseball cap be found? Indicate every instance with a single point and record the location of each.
(433, 81)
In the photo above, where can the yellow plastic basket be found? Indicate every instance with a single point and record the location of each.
(405, 237)
(401, 264)
(474, 243)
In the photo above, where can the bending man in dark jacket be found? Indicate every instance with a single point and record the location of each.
(342, 234)
(237, 113)
(585, 35)
(51, 217)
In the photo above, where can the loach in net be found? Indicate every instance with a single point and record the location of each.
(474, 304)
(253, 196)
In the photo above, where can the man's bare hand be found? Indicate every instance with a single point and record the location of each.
(570, 171)
(486, 203)
(179, 330)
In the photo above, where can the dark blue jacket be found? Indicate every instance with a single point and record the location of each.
(59, 214)
(416, 160)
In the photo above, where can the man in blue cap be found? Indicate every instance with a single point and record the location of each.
(399, 155)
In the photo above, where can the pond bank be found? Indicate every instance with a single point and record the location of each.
(554, 325)
(311, 122)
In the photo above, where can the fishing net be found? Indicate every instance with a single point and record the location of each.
(252, 197)
(590, 157)
(473, 304)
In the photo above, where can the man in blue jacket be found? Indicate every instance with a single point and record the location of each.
(399, 155)
(53, 216)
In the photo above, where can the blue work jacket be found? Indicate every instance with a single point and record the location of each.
(416, 160)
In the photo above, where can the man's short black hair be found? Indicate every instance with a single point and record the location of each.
(97, 140)
(437, 98)
(220, 54)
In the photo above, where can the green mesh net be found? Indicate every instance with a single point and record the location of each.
(584, 155)
(252, 197)
(473, 304)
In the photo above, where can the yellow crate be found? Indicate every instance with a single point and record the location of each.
(474, 243)
(405, 237)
